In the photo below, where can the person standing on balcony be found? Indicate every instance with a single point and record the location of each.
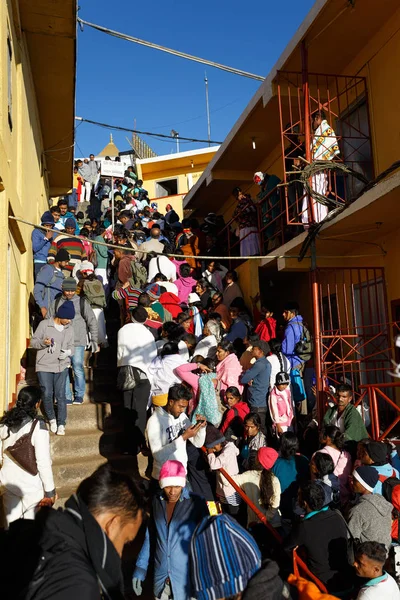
(324, 146)
(245, 215)
(346, 417)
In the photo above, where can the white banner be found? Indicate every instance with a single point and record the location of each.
(110, 168)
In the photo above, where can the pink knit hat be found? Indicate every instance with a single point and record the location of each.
(172, 473)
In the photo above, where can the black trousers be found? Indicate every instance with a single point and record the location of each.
(135, 418)
(197, 468)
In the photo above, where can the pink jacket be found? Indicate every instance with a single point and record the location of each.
(280, 407)
(185, 372)
(227, 460)
(343, 466)
(185, 286)
(228, 372)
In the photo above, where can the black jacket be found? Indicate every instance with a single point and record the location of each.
(323, 537)
(73, 549)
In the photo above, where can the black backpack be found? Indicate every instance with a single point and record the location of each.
(305, 346)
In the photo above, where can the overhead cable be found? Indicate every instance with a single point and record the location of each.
(203, 61)
(158, 135)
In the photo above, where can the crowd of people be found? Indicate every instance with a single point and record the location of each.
(209, 386)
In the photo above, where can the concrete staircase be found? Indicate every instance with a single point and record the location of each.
(77, 454)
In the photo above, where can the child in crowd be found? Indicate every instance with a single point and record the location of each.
(223, 455)
(333, 442)
(254, 439)
(281, 405)
(92, 288)
(321, 469)
(233, 419)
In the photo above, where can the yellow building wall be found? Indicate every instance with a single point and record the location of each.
(150, 175)
(25, 195)
(379, 61)
(248, 279)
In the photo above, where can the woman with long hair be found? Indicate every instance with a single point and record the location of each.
(262, 487)
(333, 442)
(161, 369)
(25, 491)
(291, 468)
(254, 439)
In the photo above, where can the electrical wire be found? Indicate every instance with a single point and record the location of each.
(156, 135)
(203, 61)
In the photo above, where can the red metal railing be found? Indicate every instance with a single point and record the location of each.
(374, 395)
(344, 102)
(298, 563)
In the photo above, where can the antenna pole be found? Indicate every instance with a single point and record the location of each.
(208, 110)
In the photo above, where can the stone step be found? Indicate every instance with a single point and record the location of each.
(76, 444)
(71, 473)
(121, 463)
(87, 416)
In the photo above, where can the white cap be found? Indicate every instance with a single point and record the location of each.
(86, 266)
(193, 297)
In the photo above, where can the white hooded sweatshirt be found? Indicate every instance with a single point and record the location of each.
(164, 437)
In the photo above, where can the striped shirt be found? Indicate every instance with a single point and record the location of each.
(74, 248)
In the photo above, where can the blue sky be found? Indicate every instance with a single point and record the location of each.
(118, 81)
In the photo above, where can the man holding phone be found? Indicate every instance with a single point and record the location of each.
(169, 428)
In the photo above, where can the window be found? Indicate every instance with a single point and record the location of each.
(167, 187)
(9, 79)
(355, 144)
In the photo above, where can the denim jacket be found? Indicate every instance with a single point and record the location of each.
(168, 545)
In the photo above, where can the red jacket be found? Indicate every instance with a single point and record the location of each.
(266, 329)
(242, 409)
(171, 303)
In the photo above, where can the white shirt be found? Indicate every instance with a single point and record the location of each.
(162, 373)
(170, 287)
(339, 422)
(276, 367)
(163, 434)
(136, 347)
(162, 264)
(207, 347)
(383, 589)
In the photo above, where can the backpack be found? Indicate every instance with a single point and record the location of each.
(93, 291)
(139, 275)
(391, 493)
(304, 347)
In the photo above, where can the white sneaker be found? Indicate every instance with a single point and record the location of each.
(61, 430)
(53, 426)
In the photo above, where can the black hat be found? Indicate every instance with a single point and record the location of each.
(139, 314)
(62, 255)
(266, 583)
(282, 378)
(377, 451)
(213, 436)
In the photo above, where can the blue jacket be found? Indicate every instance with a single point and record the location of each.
(238, 330)
(40, 246)
(47, 285)
(293, 334)
(260, 373)
(168, 545)
(387, 471)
